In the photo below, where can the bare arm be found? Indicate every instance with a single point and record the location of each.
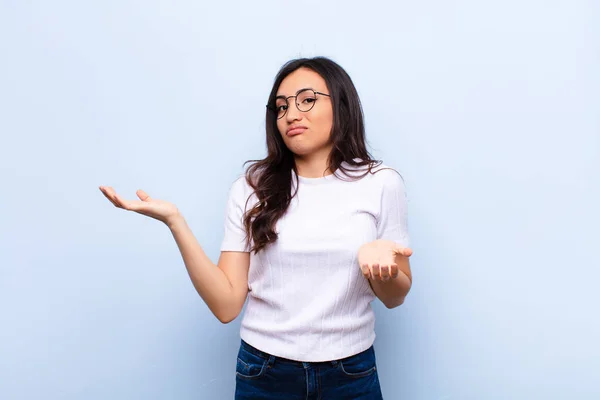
(224, 286)
(390, 275)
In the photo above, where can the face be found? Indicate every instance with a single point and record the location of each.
(305, 133)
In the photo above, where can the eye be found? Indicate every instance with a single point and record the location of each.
(308, 100)
(281, 108)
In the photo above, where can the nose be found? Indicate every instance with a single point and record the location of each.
(292, 113)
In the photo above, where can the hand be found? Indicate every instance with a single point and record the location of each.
(157, 209)
(377, 259)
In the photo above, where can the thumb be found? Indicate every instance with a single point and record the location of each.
(143, 195)
(405, 251)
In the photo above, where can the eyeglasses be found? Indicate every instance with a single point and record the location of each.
(305, 101)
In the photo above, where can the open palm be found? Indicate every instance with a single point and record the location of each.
(157, 209)
(377, 259)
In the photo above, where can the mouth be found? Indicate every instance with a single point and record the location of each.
(294, 131)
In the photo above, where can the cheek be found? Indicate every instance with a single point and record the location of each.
(281, 126)
(324, 122)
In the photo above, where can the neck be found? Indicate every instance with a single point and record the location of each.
(313, 165)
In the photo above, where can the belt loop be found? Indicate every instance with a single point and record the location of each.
(271, 360)
(334, 363)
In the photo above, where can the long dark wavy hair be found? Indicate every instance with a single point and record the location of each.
(271, 177)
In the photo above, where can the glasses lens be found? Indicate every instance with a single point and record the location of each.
(306, 100)
(280, 107)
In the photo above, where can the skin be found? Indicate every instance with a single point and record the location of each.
(384, 263)
(224, 286)
(387, 267)
(313, 146)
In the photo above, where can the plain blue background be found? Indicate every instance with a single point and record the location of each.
(491, 111)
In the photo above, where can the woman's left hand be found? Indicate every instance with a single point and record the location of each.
(377, 259)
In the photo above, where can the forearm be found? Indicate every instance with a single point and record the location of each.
(210, 282)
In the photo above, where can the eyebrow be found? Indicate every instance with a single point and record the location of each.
(298, 91)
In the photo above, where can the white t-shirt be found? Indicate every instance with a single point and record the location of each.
(307, 299)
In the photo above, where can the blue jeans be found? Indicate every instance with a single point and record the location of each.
(263, 376)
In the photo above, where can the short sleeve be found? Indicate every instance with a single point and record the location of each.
(234, 237)
(392, 223)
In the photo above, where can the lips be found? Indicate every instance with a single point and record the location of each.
(293, 131)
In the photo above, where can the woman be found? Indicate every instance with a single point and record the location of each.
(313, 233)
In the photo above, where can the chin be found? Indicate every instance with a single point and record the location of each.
(304, 147)
(301, 150)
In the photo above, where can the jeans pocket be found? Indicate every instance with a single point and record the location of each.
(360, 365)
(250, 366)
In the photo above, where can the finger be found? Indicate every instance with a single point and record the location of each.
(143, 195)
(366, 271)
(404, 251)
(119, 200)
(394, 271)
(376, 271)
(107, 194)
(370, 271)
(134, 205)
(110, 193)
(385, 273)
(114, 202)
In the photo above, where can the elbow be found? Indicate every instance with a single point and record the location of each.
(390, 304)
(226, 319)
(227, 316)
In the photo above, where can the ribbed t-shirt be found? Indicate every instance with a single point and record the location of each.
(308, 299)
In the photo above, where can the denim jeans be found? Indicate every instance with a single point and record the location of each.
(263, 376)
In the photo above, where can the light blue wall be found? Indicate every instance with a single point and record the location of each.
(490, 110)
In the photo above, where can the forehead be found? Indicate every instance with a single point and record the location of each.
(300, 79)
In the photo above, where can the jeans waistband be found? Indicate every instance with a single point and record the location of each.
(272, 358)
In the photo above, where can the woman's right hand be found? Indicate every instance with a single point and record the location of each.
(157, 209)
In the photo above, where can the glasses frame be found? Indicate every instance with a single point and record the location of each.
(287, 103)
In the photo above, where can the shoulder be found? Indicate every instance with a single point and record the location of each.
(387, 175)
(380, 180)
(384, 176)
(239, 183)
(239, 189)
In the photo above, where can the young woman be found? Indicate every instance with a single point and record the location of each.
(313, 233)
